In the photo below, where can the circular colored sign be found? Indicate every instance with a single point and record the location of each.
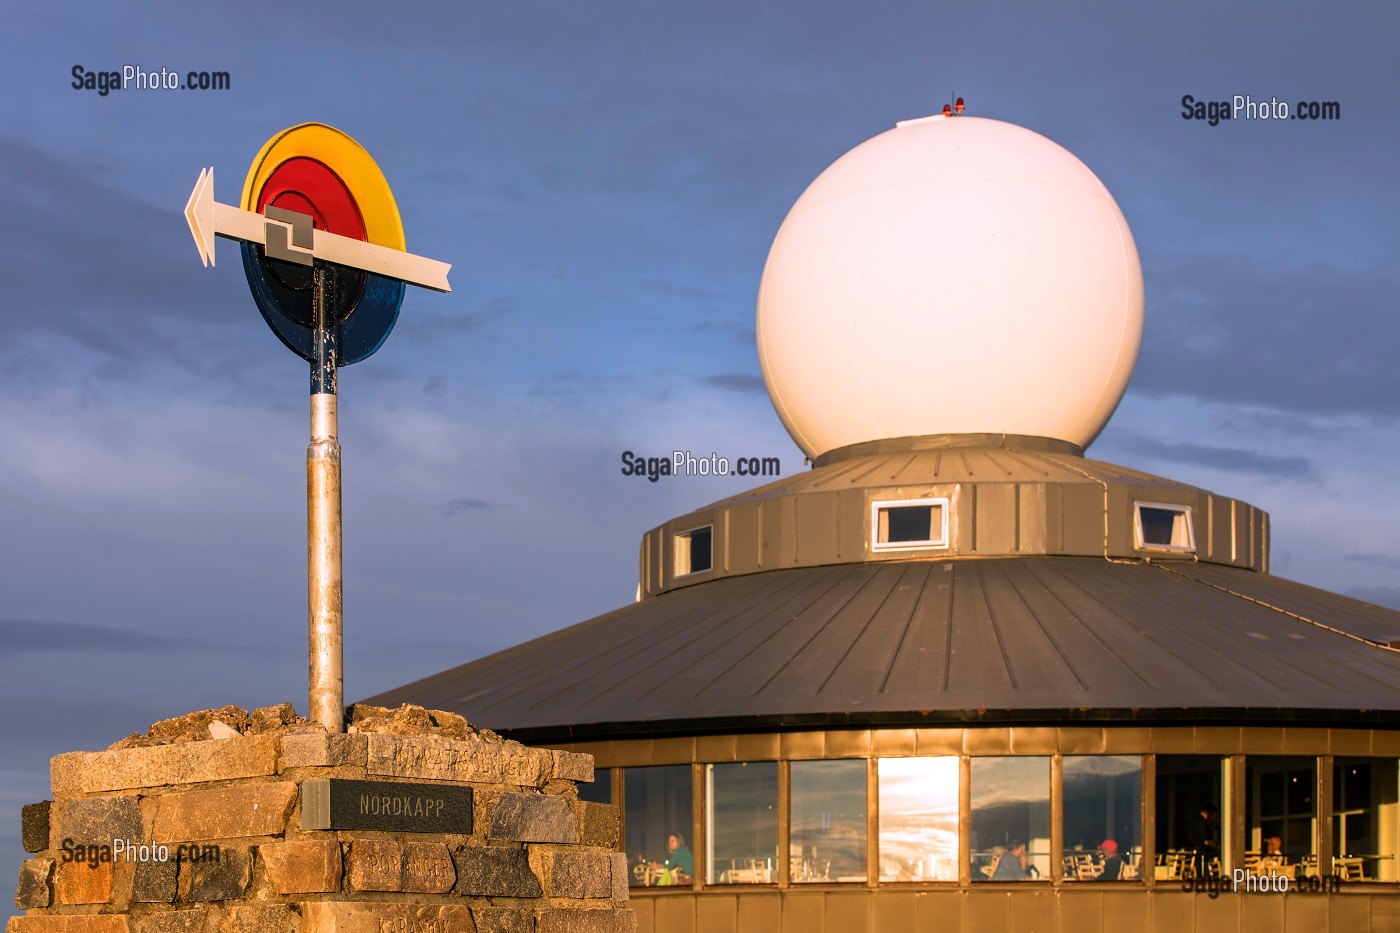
(317, 170)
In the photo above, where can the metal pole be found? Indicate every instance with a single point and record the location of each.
(327, 699)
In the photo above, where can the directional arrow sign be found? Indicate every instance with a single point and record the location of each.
(284, 234)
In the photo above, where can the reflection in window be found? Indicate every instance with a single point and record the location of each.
(1364, 804)
(1010, 818)
(1102, 817)
(742, 822)
(828, 820)
(1188, 815)
(656, 819)
(1280, 810)
(918, 819)
(600, 791)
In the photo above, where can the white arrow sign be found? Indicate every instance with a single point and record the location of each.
(208, 218)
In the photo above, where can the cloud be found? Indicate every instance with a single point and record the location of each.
(737, 382)
(458, 506)
(1232, 459)
(1388, 561)
(25, 635)
(1300, 336)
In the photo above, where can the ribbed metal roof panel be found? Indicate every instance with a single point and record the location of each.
(938, 639)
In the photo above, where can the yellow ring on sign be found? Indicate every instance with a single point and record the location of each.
(342, 155)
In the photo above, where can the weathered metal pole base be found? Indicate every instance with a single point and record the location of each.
(323, 565)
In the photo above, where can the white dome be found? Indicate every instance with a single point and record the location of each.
(954, 275)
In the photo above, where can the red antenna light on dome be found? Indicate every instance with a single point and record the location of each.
(959, 106)
(947, 110)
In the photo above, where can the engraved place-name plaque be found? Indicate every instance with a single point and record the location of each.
(391, 806)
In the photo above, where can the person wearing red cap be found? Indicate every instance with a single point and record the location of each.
(1113, 863)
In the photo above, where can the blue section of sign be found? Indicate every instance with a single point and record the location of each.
(357, 336)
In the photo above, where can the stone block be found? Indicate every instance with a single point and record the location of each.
(474, 760)
(494, 871)
(323, 750)
(96, 821)
(503, 920)
(532, 818)
(223, 879)
(154, 882)
(172, 921)
(87, 923)
(599, 823)
(306, 866)
(34, 826)
(35, 888)
(385, 917)
(427, 868)
(586, 921)
(572, 766)
(375, 865)
(621, 877)
(224, 812)
(84, 882)
(161, 765)
(260, 918)
(573, 873)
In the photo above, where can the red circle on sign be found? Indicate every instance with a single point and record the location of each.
(310, 187)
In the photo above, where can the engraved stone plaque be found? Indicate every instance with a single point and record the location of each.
(391, 806)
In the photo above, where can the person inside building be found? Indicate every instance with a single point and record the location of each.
(679, 866)
(1113, 863)
(1203, 836)
(1011, 866)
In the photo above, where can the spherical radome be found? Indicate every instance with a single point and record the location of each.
(953, 275)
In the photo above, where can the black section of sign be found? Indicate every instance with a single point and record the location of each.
(375, 305)
(390, 806)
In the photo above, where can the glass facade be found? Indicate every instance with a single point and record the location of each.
(742, 822)
(656, 816)
(1010, 818)
(918, 819)
(828, 821)
(989, 819)
(1102, 828)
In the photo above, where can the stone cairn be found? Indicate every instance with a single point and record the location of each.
(413, 821)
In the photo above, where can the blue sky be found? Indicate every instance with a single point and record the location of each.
(606, 179)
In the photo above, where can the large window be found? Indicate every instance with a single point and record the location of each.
(742, 823)
(1010, 819)
(1189, 805)
(1281, 813)
(918, 819)
(1102, 817)
(1364, 817)
(828, 821)
(656, 820)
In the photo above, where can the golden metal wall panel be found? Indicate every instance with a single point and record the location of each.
(804, 913)
(987, 742)
(1385, 913)
(1122, 910)
(675, 913)
(852, 743)
(1222, 913)
(717, 913)
(760, 913)
(1081, 741)
(1171, 910)
(765, 746)
(626, 754)
(1168, 741)
(798, 745)
(1082, 537)
(1385, 744)
(646, 918)
(987, 912)
(716, 748)
(1303, 913)
(1083, 911)
(939, 912)
(1304, 741)
(931, 742)
(848, 913)
(1349, 742)
(894, 911)
(817, 522)
(1345, 914)
(1031, 524)
(1034, 740)
(1260, 740)
(895, 743)
(743, 538)
(1217, 740)
(1129, 740)
(673, 751)
(1033, 910)
(996, 518)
